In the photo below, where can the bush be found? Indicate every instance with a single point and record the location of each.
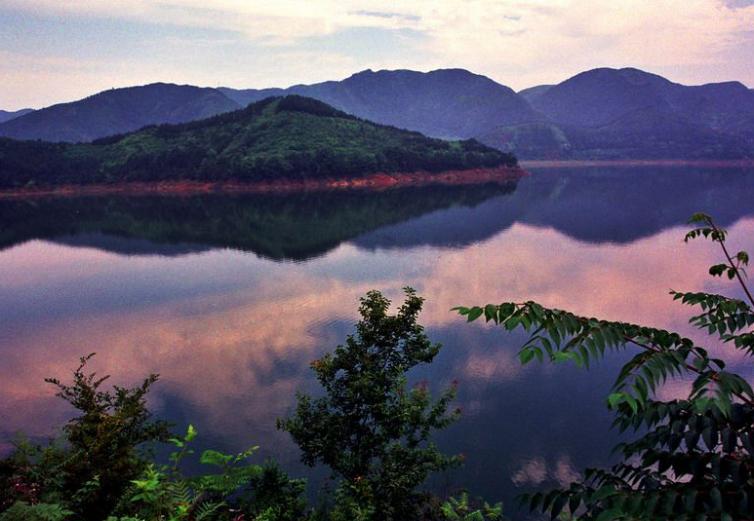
(695, 459)
(371, 430)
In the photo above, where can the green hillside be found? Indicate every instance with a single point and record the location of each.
(278, 138)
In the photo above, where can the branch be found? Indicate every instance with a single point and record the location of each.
(721, 240)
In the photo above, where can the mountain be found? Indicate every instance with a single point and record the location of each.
(629, 113)
(602, 96)
(6, 115)
(245, 96)
(284, 138)
(534, 92)
(445, 103)
(118, 110)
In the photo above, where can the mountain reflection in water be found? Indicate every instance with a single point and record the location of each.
(169, 285)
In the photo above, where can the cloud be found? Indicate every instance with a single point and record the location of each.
(531, 472)
(536, 471)
(379, 14)
(517, 42)
(738, 4)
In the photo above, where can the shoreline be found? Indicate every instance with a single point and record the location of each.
(377, 181)
(590, 163)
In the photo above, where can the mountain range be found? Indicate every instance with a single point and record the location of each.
(598, 114)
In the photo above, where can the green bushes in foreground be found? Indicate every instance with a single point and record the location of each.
(370, 428)
(695, 457)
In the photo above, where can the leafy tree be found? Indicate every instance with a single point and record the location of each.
(695, 459)
(100, 452)
(371, 430)
(98, 471)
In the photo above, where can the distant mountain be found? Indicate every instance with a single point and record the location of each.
(245, 96)
(632, 113)
(602, 96)
(6, 115)
(534, 92)
(285, 138)
(117, 111)
(446, 103)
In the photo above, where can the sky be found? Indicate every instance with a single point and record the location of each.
(53, 51)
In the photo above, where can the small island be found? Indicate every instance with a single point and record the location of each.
(279, 143)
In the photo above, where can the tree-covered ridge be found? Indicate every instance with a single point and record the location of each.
(289, 138)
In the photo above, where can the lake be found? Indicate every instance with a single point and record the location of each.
(229, 298)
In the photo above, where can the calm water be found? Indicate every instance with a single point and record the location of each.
(230, 298)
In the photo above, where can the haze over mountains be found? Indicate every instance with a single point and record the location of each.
(6, 115)
(598, 114)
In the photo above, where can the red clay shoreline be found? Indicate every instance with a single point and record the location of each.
(377, 181)
(585, 163)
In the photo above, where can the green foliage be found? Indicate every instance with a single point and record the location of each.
(99, 472)
(20, 511)
(234, 489)
(371, 430)
(165, 493)
(273, 496)
(277, 138)
(104, 440)
(99, 454)
(696, 458)
(460, 509)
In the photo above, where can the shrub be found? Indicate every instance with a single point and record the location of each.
(100, 451)
(695, 459)
(371, 430)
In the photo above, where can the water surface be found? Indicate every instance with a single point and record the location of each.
(230, 298)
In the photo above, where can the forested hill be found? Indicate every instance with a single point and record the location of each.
(283, 138)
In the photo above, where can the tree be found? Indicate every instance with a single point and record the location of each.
(695, 459)
(371, 430)
(101, 450)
